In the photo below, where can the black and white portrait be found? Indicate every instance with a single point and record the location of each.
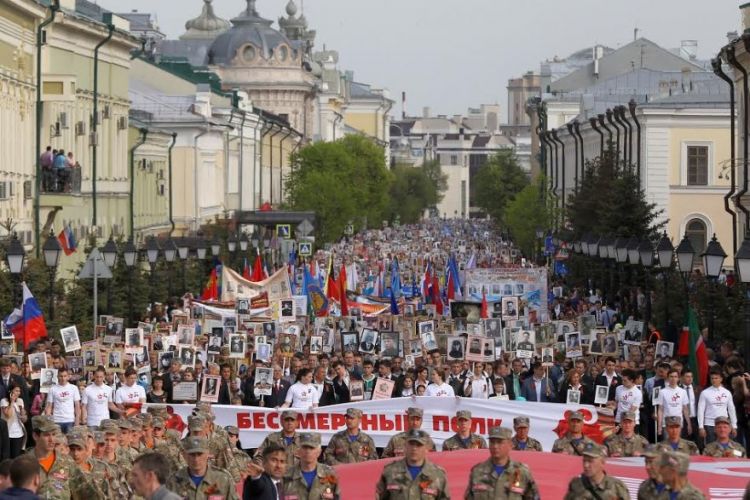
(70, 338)
(237, 346)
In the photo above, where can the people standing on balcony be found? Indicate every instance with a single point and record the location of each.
(46, 160)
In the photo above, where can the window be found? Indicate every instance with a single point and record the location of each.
(4, 195)
(454, 159)
(697, 165)
(696, 232)
(26, 190)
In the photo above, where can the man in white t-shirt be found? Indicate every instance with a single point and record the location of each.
(674, 402)
(715, 401)
(64, 402)
(97, 400)
(438, 387)
(627, 396)
(129, 393)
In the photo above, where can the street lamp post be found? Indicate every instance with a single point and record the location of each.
(685, 255)
(170, 252)
(539, 236)
(15, 257)
(665, 252)
(129, 253)
(52, 251)
(152, 254)
(109, 252)
(182, 252)
(232, 247)
(713, 259)
(742, 262)
(646, 251)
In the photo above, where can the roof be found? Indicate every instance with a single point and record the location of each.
(362, 91)
(248, 27)
(481, 141)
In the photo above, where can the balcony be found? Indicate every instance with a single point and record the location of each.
(61, 181)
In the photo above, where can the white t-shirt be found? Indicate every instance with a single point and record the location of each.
(130, 394)
(672, 401)
(302, 396)
(628, 400)
(15, 427)
(96, 399)
(442, 390)
(63, 397)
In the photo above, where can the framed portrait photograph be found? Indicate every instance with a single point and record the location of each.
(116, 360)
(215, 340)
(286, 310)
(601, 395)
(144, 376)
(210, 388)
(349, 342)
(526, 340)
(493, 328)
(475, 328)
(573, 397)
(269, 330)
(356, 390)
(586, 324)
(263, 352)
(389, 344)
(474, 348)
(488, 349)
(5, 334)
(368, 340)
(141, 357)
(656, 396)
(633, 332)
(114, 330)
(75, 366)
(610, 344)
(47, 379)
(165, 360)
(496, 309)
(316, 344)
(70, 338)
(664, 349)
(263, 381)
(242, 306)
(237, 345)
(185, 335)
(573, 346)
(548, 356)
(456, 347)
(37, 361)
(415, 348)
(510, 308)
(287, 344)
(186, 355)
(178, 319)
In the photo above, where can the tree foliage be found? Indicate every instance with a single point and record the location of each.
(497, 183)
(411, 193)
(527, 213)
(437, 178)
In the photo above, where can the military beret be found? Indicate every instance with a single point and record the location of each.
(417, 435)
(233, 430)
(628, 415)
(194, 445)
(521, 422)
(289, 415)
(463, 414)
(414, 412)
(43, 423)
(77, 439)
(593, 450)
(673, 421)
(675, 460)
(575, 415)
(498, 432)
(353, 413)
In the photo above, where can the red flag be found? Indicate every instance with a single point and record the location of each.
(342, 290)
(246, 270)
(451, 287)
(258, 272)
(436, 299)
(211, 292)
(485, 313)
(332, 288)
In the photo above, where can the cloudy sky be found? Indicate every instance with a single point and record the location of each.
(451, 54)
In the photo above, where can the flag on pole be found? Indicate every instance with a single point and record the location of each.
(246, 270)
(436, 299)
(257, 269)
(395, 278)
(27, 322)
(394, 304)
(331, 288)
(485, 312)
(211, 291)
(67, 240)
(450, 290)
(692, 345)
(342, 289)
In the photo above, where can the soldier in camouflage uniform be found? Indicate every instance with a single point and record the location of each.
(231, 458)
(124, 451)
(499, 477)
(594, 483)
(413, 476)
(522, 441)
(310, 479)
(215, 483)
(674, 442)
(724, 447)
(652, 488)
(397, 444)
(200, 426)
(627, 443)
(287, 437)
(673, 468)
(105, 479)
(573, 442)
(464, 439)
(59, 477)
(350, 445)
(170, 448)
(113, 455)
(215, 432)
(158, 430)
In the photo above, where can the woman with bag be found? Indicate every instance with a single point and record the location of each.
(14, 414)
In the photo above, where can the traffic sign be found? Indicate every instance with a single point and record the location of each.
(284, 231)
(305, 248)
(304, 228)
(102, 270)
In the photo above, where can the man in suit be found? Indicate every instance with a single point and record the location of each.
(538, 387)
(384, 371)
(8, 380)
(265, 482)
(279, 389)
(609, 377)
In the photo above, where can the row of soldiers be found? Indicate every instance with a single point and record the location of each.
(96, 463)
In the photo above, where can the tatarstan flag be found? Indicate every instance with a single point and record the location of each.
(692, 346)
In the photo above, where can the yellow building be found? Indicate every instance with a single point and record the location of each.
(367, 111)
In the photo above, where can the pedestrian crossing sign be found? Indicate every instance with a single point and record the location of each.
(284, 231)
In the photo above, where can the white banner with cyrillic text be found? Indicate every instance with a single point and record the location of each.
(384, 418)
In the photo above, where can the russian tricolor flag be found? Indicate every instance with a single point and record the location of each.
(27, 322)
(67, 240)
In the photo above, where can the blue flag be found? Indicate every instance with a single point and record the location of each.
(395, 278)
(394, 305)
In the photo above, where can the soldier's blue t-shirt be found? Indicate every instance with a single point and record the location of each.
(309, 477)
(288, 440)
(414, 470)
(197, 480)
(522, 445)
(499, 469)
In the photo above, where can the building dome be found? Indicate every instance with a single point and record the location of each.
(206, 26)
(291, 8)
(251, 37)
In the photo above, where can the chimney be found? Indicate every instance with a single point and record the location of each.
(598, 54)
(426, 112)
(745, 10)
(403, 105)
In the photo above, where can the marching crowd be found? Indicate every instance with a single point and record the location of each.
(90, 438)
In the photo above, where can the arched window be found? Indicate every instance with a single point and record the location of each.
(697, 234)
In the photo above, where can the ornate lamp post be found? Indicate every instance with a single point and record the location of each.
(130, 254)
(665, 251)
(52, 251)
(152, 255)
(15, 256)
(742, 262)
(713, 259)
(646, 254)
(109, 253)
(170, 252)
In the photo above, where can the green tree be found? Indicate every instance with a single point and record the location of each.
(525, 214)
(497, 183)
(411, 193)
(437, 178)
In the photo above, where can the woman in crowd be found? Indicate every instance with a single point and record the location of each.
(14, 414)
